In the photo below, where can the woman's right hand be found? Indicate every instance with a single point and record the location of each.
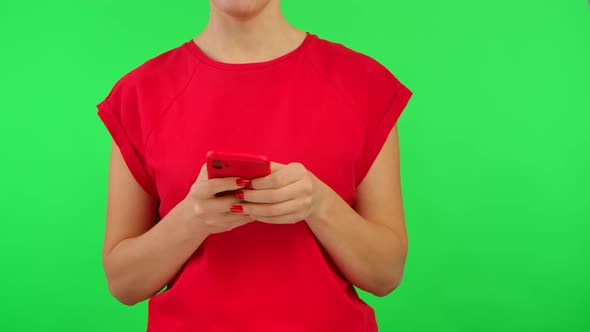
(210, 213)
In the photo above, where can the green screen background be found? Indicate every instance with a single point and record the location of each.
(495, 151)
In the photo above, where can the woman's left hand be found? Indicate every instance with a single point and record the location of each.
(289, 194)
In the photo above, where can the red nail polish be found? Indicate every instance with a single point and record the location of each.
(242, 182)
(236, 208)
(239, 194)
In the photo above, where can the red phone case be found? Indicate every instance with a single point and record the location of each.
(246, 165)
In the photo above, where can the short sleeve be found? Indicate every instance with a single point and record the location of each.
(123, 119)
(387, 97)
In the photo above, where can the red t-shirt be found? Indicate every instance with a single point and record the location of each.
(323, 105)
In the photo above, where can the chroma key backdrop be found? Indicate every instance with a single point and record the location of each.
(495, 154)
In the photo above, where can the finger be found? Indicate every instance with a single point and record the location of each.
(210, 187)
(235, 219)
(283, 176)
(284, 219)
(273, 209)
(273, 195)
(203, 173)
(274, 166)
(222, 204)
(196, 188)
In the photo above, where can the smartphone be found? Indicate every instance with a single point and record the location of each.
(245, 165)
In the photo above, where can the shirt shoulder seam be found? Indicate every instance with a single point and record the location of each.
(169, 106)
(355, 110)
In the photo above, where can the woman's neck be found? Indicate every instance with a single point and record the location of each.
(261, 37)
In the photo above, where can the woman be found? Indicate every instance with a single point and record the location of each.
(284, 255)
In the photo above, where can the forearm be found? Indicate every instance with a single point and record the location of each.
(137, 268)
(369, 254)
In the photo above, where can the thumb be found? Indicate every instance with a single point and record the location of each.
(203, 176)
(274, 166)
(203, 173)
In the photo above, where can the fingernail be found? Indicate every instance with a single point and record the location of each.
(239, 194)
(236, 208)
(242, 182)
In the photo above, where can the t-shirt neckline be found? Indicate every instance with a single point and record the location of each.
(195, 50)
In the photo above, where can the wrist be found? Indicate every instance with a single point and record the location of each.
(325, 200)
(190, 221)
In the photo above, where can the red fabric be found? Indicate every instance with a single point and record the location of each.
(323, 105)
